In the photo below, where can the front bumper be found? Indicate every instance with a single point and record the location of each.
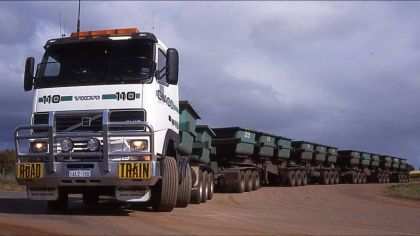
(102, 165)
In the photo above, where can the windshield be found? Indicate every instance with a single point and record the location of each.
(96, 63)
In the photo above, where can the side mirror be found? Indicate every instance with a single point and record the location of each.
(28, 80)
(172, 63)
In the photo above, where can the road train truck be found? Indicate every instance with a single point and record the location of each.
(105, 121)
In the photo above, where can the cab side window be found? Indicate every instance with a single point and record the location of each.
(161, 67)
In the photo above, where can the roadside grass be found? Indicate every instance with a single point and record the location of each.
(9, 183)
(407, 191)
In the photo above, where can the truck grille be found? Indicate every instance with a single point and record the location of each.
(91, 122)
(79, 123)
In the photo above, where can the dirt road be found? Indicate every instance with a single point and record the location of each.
(333, 209)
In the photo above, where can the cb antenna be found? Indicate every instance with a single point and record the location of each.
(78, 20)
(59, 19)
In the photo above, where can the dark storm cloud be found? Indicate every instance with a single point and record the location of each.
(344, 74)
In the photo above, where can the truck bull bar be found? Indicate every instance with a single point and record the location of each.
(51, 135)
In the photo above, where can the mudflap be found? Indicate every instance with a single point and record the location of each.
(132, 194)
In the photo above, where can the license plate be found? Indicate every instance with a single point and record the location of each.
(134, 170)
(30, 171)
(79, 173)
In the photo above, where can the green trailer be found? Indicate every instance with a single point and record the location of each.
(317, 160)
(302, 151)
(365, 159)
(266, 145)
(234, 151)
(234, 142)
(283, 148)
(187, 124)
(332, 155)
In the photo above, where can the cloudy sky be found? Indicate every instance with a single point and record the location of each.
(339, 73)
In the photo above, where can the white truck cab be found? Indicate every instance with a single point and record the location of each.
(105, 120)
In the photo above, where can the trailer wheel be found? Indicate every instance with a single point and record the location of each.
(211, 186)
(90, 198)
(364, 178)
(165, 192)
(256, 178)
(354, 177)
(337, 177)
(60, 204)
(196, 194)
(359, 177)
(325, 178)
(298, 175)
(291, 178)
(248, 181)
(205, 187)
(184, 189)
(382, 178)
(332, 177)
(387, 178)
(241, 186)
(304, 178)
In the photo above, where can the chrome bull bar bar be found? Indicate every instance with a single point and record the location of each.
(51, 135)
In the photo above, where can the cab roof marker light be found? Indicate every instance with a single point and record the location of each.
(120, 37)
(127, 31)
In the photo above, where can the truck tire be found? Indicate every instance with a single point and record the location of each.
(332, 177)
(196, 194)
(359, 178)
(325, 178)
(241, 186)
(205, 187)
(364, 178)
(248, 181)
(304, 178)
(298, 178)
(337, 177)
(387, 178)
(354, 177)
(211, 186)
(381, 178)
(60, 204)
(257, 180)
(184, 189)
(291, 178)
(90, 198)
(165, 192)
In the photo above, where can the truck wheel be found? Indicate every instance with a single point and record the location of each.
(60, 204)
(381, 178)
(364, 178)
(325, 178)
(298, 178)
(332, 177)
(256, 183)
(90, 198)
(337, 177)
(241, 187)
(248, 181)
(359, 177)
(387, 178)
(196, 194)
(184, 189)
(205, 187)
(211, 186)
(166, 190)
(291, 178)
(354, 177)
(304, 178)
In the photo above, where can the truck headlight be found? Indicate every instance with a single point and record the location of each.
(138, 145)
(93, 145)
(66, 145)
(39, 147)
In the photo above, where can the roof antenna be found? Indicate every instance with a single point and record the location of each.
(78, 20)
(153, 21)
(59, 20)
